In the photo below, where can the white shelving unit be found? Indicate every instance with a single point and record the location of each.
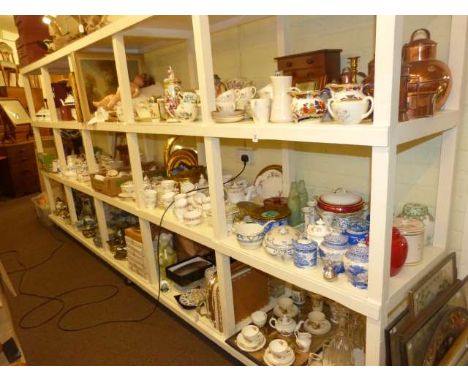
(383, 136)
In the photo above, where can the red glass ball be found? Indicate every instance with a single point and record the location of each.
(399, 252)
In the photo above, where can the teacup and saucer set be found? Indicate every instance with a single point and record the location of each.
(250, 339)
(316, 323)
(279, 353)
(285, 307)
(226, 108)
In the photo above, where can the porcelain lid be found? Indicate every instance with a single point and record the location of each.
(415, 210)
(336, 239)
(341, 198)
(360, 226)
(409, 226)
(281, 236)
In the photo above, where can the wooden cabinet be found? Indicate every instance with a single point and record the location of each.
(320, 65)
(18, 172)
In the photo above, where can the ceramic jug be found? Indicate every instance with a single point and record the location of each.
(281, 104)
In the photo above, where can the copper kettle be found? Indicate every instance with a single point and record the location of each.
(427, 74)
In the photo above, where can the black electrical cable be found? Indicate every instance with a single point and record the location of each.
(49, 299)
(63, 313)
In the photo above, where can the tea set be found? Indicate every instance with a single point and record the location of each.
(250, 339)
(316, 324)
(279, 353)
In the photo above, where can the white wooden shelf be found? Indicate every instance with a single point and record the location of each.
(202, 233)
(382, 136)
(423, 127)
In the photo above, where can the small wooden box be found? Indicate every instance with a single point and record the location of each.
(109, 186)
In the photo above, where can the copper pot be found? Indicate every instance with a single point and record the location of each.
(427, 74)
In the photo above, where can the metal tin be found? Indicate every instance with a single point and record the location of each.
(270, 217)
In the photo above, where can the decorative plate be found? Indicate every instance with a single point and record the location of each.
(192, 298)
(269, 182)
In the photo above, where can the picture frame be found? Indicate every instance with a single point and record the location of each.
(392, 344)
(416, 335)
(97, 76)
(435, 283)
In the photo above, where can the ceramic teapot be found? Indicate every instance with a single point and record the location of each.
(237, 192)
(284, 325)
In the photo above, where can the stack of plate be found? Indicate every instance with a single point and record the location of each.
(223, 117)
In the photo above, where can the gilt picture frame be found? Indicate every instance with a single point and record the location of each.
(97, 76)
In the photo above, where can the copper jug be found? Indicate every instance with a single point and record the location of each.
(427, 74)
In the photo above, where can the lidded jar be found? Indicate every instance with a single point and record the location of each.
(332, 250)
(356, 263)
(413, 231)
(427, 74)
(357, 231)
(420, 212)
(318, 231)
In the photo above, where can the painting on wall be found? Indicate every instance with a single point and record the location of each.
(98, 76)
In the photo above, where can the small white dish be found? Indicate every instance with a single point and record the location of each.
(223, 117)
(247, 347)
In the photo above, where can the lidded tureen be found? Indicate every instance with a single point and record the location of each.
(279, 241)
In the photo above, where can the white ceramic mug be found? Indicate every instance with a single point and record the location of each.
(279, 348)
(260, 110)
(226, 107)
(245, 95)
(266, 92)
(259, 318)
(251, 333)
(149, 198)
(348, 112)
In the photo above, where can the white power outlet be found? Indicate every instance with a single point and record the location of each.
(248, 152)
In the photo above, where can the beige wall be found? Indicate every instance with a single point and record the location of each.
(248, 51)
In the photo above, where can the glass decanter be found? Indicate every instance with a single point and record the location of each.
(339, 352)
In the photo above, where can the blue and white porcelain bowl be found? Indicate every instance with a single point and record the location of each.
(356, 263)
(357, 232)
(332, 249)
(305, 253)
(279, 241)
(249, 235)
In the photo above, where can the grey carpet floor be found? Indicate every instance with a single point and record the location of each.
(161, 339)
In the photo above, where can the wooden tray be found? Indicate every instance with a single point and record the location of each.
(271, 334)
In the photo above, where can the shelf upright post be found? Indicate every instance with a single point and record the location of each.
(287, 148)
(448, 150)
(387, 83)
(92, 165)
(120, 56)
(48, 94)
(202, 42)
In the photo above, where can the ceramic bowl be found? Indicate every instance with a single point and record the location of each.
(192, 217)
(249, 235)
(279, 241)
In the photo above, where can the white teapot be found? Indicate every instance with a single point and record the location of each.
(284, 325)
(237, 192)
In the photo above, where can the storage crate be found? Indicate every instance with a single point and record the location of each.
(45, 160)
(42, 209)
(109, 185)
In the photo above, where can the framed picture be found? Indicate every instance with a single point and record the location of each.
(436, 282)
(417, 334)
(392, 333)
(97, 76)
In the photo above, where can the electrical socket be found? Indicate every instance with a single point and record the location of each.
(248, 152)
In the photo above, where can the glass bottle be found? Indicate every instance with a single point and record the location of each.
(340, 350)
(294, 206)
(303, 196)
